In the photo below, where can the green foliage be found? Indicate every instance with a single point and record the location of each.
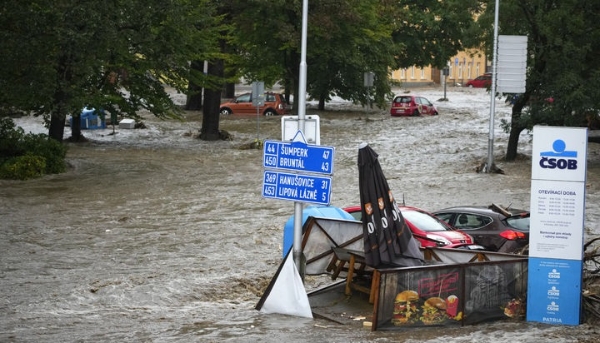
(430, 32)
(10, 138)
(347, 38)
(25, 156)
(115, 55)
(23, 167)
(563, 49)
(52, 151)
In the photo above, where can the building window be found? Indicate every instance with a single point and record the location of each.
(469, 70)
(422, 74)
(412, 72)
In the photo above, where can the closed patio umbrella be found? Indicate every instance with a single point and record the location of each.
(388, 240)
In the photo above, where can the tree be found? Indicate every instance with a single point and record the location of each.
(355, 38)
(347, 38)
(430, 32)
(115, 55)
(562, 70)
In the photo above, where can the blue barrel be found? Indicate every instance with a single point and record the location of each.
(311, 211)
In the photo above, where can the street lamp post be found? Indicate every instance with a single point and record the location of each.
(490, 159)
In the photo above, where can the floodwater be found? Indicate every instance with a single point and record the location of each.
(155, 236)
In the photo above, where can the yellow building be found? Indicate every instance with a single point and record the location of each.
(465, 66)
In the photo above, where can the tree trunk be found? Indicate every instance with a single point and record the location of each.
(294, 76)
(322, 103)
(57, 127)
(516, 127)
(513, 142)
(76, 135)
(230, 90)
(210, 108)
(194, 99)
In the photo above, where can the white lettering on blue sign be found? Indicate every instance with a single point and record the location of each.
(551, 320)
(552, 307)
(553, 292)
(554, 274)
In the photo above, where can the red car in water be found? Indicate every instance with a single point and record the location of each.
(274, 104)
(412, 105)
(428, 229)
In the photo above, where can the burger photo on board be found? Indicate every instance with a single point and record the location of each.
(434, 311)
(405, 307)
(514, 309)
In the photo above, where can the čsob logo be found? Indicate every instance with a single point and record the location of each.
(559, 157)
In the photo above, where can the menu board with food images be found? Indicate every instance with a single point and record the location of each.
(451, 295)
(433, 301)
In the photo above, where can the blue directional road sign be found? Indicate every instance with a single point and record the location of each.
(301, 188)
(298, 156)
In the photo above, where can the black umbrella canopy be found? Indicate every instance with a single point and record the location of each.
(388, 240)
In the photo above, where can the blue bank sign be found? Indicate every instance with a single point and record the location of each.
(558, 176)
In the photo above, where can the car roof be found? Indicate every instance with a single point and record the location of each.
(489, 210)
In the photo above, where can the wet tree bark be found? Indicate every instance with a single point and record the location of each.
(210, 108)
(516, 127)
(194, 99)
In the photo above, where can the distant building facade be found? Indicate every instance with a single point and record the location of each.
(465, 66)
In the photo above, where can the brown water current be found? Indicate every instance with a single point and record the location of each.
(155, 236)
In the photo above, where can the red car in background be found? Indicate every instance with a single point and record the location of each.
(482, 81)
(274, 104)
(428, 229)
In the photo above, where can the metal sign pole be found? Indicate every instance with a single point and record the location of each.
(301, 116)
(258, 99)
(490, 159)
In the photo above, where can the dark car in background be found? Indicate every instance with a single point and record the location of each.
(427, 229)
(482, 81)
(494, 227)
(274, 104)
(412, 105)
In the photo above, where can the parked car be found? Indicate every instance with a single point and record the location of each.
(274, 104)
(494, 227)
(412, 105)
(427, 229)
(481, 81)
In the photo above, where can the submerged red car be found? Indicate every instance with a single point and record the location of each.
(412, 105)
(427, 228)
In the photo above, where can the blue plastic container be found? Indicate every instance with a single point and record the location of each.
(90, 120)
(311, 211)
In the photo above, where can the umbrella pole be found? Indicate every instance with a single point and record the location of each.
(299, 258)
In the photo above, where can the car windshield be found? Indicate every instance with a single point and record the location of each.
(519, 223)
(243, 98)
(424, 221)
(402, 99)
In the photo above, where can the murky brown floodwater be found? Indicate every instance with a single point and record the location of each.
(167, 238)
